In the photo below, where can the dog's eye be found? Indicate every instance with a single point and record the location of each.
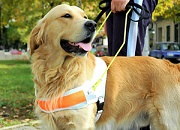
(85, 17)
(67, 16)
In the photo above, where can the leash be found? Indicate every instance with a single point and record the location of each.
(104, 5)
(131, 6)
(139, 10)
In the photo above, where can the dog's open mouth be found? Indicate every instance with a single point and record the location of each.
(76, 47)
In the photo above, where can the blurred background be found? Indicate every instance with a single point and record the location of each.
(17, 18)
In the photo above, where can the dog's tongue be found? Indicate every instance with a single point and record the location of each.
(85, 46)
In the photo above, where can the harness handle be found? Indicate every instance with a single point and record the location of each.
(141, 11)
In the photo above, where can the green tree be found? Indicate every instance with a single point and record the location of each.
(167, 9)
(18, 18)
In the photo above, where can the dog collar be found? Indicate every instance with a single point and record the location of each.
(81, 96)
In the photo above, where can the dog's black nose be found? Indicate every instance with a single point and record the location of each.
(90, 25)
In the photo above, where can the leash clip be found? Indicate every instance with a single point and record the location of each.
(91, 91)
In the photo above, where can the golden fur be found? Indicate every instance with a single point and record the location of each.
(139, 90)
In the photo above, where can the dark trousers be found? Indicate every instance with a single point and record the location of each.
(145, 128)
(115, 30)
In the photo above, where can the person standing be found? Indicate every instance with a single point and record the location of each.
(115, 30)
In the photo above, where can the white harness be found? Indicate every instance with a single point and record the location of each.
(92, 96)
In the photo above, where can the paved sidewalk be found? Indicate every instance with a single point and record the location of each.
(26, 126)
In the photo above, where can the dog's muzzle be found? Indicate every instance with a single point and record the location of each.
(81, 47)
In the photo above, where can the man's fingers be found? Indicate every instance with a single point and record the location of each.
(113, 7)
(117, 7)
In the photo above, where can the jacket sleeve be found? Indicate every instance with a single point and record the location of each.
(150, 5)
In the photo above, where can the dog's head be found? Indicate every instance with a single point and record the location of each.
(66, 28)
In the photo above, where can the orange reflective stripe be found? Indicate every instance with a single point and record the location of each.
(64, 102)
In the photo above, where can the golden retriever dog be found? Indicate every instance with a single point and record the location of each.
(138, 91)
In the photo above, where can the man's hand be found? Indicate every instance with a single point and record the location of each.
(118, 5)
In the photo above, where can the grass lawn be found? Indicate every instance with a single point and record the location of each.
(16, 91)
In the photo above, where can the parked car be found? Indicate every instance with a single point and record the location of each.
(166, 50)
(15, 52)
(101, 51)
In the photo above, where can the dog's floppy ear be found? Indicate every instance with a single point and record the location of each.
(36, 36)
